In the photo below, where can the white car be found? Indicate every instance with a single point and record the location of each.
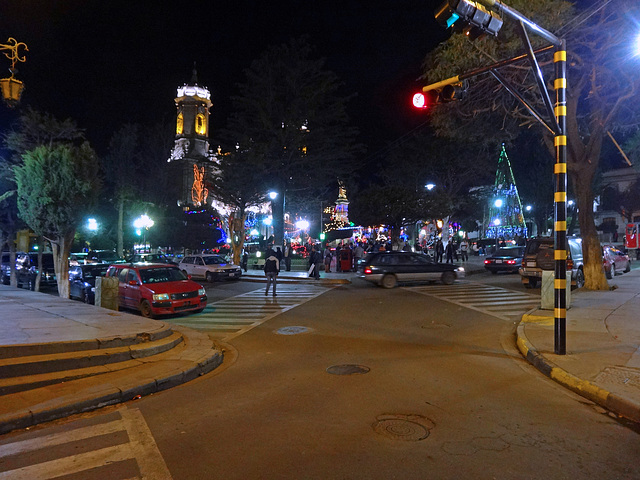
(210, 267)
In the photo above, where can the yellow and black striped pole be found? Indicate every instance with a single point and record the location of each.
(560, 200)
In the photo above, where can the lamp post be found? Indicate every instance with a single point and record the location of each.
(11, 87)
(498, 221)
(142, 224)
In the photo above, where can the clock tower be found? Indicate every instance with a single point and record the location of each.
(190, 155)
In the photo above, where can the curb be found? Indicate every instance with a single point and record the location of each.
(73, 397)
(619, 405)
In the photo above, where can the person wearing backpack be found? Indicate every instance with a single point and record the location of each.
(271, 270)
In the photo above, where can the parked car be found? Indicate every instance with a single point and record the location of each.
(539, 256)
(82, 281)
(27, 270)
(103, 256)
(210, 267)
(5, 268)
(507, 259)
(157, 289)
(150, 258)
(387, 269)
(78, 258)
(614, 261)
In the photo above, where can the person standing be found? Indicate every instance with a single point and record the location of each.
(449, 251)
(317, 261)
(464, 250)
(245, 260)
(271, 270)
(358, 254)
(286, 256)
(439, 251)
(338, 251)
(327, 260)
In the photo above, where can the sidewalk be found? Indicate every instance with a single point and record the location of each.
(603, 345)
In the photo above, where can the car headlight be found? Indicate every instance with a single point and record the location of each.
(158, 297)
(460, 269)
(202, 291)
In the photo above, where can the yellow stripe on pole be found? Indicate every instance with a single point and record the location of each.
(560, 140)
(560, 56)
(559, 254)
(560, 283)
(560, 168)
(560, 83)
(560, 196)
(561, 111)
(560, 312)
(561, 226)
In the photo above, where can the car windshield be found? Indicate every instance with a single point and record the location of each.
(95, 272)
(510, 252)
(161, 274)
(214, 260)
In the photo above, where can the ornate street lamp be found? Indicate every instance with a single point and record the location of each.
(11, 87)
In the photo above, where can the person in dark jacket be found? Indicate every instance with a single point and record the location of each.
(271, 270)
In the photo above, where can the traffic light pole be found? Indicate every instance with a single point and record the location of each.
(558, 127)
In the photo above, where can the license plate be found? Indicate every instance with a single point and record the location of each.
(232, 274)
(531, 264)
(498, 261)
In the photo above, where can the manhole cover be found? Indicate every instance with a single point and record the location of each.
(409, 428)
(291, 330)
(347, 369)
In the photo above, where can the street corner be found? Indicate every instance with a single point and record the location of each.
(538, 317)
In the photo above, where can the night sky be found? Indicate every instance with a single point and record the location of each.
(107, 63)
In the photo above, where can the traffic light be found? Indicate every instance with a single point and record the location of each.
(470, 17)
(435, 96)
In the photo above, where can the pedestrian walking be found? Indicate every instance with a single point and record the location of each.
(271, 270)
(358, 254)
(317, 262)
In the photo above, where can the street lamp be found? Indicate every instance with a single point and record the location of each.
(12, 88)
(142, 224)
(430, 186)
(498, 204)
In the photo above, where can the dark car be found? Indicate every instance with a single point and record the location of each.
(157, 289)
(614, 261)
(82, 281)
(27, 270)
(150, 258)
(387, 269)
(539, 256)
(103, 256)
(506, 259)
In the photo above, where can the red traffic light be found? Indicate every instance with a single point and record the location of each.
(419, 100)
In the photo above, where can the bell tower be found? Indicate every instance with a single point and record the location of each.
(190, 154)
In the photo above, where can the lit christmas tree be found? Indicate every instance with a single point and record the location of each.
(505, 210)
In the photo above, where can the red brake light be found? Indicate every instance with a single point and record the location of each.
(419, 100)
(367, 270)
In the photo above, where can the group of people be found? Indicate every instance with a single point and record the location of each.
(452, 251)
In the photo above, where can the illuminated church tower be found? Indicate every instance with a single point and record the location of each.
(190, 154)
(342, 205)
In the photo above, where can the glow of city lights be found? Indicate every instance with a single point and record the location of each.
(268, 221)
(92, 224)
(498, 203)
(430, 186)
(143, 221)
(273, 195)
(528, 208)
(496, 222)
(254, 232)
(302, 224)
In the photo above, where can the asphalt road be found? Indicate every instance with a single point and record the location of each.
(420, 388)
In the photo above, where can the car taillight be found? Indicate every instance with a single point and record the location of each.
(569, 264)
(367, 270)
(487, 261)
(511, 262)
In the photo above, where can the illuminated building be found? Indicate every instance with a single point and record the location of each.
(193, 162)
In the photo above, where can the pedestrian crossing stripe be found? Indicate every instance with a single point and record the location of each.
(488, 299)
(231, 317)
(141, 448)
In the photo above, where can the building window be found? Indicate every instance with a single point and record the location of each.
(180, 124)
(201, 126)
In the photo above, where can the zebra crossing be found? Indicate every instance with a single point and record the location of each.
(496, 301)
(233, 316)
(119, 446)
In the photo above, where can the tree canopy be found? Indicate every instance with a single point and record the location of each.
(603, 89)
